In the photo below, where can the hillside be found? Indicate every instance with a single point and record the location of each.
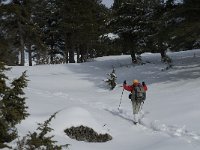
(170, 115)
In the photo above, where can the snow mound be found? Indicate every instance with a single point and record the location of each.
(73, 117)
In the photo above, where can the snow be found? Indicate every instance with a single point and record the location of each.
(108, 3)
(169, 119)
(5, 2)
(111, 36)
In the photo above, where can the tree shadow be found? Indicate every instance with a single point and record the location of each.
(151, 72)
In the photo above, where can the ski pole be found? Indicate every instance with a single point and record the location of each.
(121, 99)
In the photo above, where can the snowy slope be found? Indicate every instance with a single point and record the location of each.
(170, 116)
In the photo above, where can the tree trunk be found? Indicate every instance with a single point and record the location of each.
(134, 60)
(29, 55)
(51, 55)
(163, 54)
(78, 54)
(22, 60)
(67, 47)
(66, 52)
(83, 52)
(71, 55)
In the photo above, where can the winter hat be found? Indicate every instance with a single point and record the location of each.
(135, 81)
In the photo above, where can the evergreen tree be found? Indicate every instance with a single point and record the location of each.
(40, 140)
(111, 80)
(8, 55)
(18, 28)
(116, 4)
(130, 23)
(45, 28)
(47, 16)
(163, 24)
(186, 35)
(81, 27)
(12, 106)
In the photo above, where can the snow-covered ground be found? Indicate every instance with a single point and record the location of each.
(169, 118)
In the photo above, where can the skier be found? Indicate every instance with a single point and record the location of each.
(137, 96)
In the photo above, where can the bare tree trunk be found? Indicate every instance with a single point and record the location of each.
(51, 55)
(66, 48)
(78, 54)
(69, 48)
(163, 54)
(134, 60)
(83, 52)
(22, 60)
(66, 54)
(29, 55)
(87, 52)
(71, 55)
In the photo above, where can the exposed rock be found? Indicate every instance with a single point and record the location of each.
(83, 133)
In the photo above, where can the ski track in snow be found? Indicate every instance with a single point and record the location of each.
(154, 126)
(49, 94)
(158, 127)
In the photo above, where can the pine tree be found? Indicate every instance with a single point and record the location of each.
(81, 22)
(40, 140)
(130, 22)
(12, 106)
(19, 30)
(8, 55)
(111, 80)
(186, 35)
(162, 26)
(45, 28)
(116, 4)
(47, 15)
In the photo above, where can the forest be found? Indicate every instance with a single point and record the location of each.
(54, 32)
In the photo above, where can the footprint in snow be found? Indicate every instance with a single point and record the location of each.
(157, 126)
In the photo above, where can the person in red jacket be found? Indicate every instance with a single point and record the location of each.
(137, 96)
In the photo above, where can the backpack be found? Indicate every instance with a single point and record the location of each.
(139, 93)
